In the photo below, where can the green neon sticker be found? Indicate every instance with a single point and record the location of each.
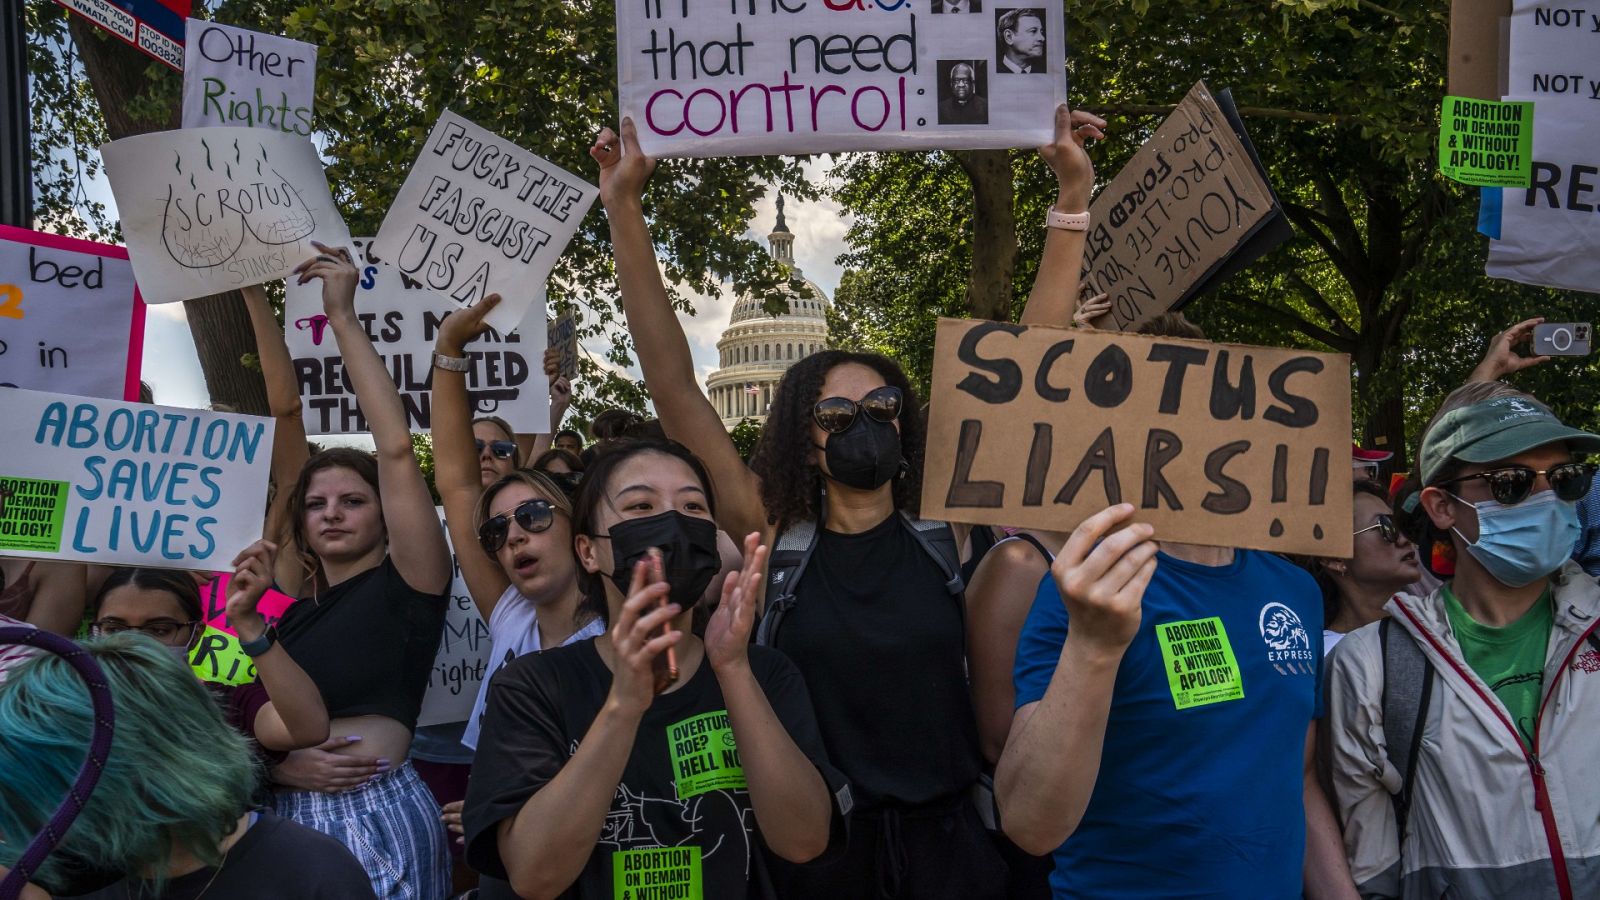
(666, 873)
(31, 513)
(1486, 143)
(1199, 661)
(704, 755)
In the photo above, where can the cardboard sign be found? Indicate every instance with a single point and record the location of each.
(1212, 443)
(1550, 233)
(234, 76)
(216, 657)
(768, 77)
(210, 210)
(153, 26)
(402, 318)
(463, 659)
(49, 287)
(479, 215)
(562, 334)
(1176, 213)
(129, 484)
(1486, 143)
(1477, 48)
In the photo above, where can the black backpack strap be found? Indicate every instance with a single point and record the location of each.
(1049, 558)
(790, 555)
(1407, 690)
(939, 542)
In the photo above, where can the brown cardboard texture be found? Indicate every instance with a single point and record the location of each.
(1218, 444)
(1175, 212)
(1477, 48)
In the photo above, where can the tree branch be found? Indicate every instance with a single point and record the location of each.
(1295, 323)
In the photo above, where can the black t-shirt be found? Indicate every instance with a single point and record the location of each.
(276, 858)
(681, 815)
(882, 646)
(368, 643)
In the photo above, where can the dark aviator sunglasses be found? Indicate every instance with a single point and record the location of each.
(533, 516)
(500, 449)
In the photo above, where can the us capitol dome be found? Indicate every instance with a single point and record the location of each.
(757, 348)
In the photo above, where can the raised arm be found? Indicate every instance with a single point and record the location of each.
(1052, 757)
(289, 451)
(416, 543)
(1055, 288)
(664, 355)
(296, 717)
(455, 460)
(1502, 358)
(58, 597)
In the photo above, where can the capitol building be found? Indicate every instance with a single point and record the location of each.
(757, 348)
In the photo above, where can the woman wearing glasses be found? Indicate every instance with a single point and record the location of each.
(871, 621)
(496, 443)
(1384, 562)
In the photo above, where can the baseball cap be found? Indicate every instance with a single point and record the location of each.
(1496, 429)
(1362, 457)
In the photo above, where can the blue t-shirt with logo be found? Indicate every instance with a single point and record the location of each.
(1200, 791)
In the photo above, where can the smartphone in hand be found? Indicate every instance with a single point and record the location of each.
(1561, 339)
(666, 664)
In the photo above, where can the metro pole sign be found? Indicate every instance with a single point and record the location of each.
(154, 26)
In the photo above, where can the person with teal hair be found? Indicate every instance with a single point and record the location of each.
(171, 816)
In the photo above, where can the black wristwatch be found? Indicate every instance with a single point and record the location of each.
(261, 644)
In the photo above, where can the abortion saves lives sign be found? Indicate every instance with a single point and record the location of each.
(106, 481)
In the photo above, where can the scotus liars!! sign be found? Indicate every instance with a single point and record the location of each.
(762, 77)
(104, 481)
(1212, 443)
(479, 215)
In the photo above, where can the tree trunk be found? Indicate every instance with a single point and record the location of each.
(220, 323)
(994, 233)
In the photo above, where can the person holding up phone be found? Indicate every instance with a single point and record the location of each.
(598, 769)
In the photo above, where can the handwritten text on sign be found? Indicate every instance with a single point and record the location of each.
(402, 320)
(210, 210)
(462, 662)
(118, 483)
(217, 657)
(234, 76)
(49, 287)
(1213, 443)
(759, 77)
(479, 215)
(1175, 212)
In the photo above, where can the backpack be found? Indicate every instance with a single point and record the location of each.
(791, 553)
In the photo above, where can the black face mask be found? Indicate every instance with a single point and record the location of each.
(689, 557)
(866, 455)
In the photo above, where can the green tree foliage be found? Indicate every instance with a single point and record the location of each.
(745, 436)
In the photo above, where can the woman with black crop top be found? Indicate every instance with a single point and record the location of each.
(371, 568)
(874, 631)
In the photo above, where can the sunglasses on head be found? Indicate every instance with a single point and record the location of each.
(533, 516)
(836, 414)
(1385, 527)
(1513, 484)
(500, 449)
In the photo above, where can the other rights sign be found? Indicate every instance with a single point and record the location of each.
(235, 76)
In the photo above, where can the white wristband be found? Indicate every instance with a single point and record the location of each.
(1067, 221)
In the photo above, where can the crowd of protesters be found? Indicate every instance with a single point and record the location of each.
(770, 678)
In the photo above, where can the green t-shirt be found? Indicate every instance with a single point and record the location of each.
(1510, 660)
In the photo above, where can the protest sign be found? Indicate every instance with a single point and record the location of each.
(402, 319)
(1549, 234)
(1212, 443)
(49, 287)
(216, 656)
(562, 335)
(1486, 143)
(153, 26)
(767, 77)
(463, 659)
(209, 210)
(479, 215)
(234, 76)
(129, 484)
(1174, 215)
(1477, 48)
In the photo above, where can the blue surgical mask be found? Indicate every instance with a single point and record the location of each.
(1523, 543)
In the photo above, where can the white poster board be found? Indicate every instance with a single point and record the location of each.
(1550, 233)
(235, 76)
(765, 77)
(209, 210)
(49, 287)
(479, 215)
(130, 484)
(402, 318)
(463, 659)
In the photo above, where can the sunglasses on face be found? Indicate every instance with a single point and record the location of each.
(500, 449)
(1513, 484)
(533, 516)
(835, 415)
(1385, 527)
